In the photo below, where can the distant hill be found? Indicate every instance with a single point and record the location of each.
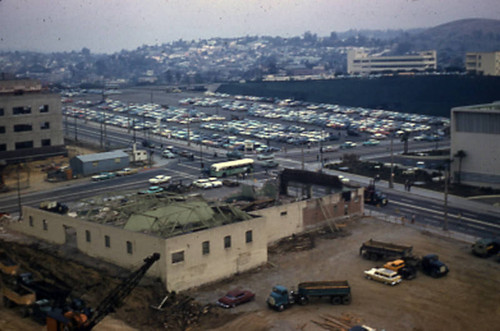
(452, 40)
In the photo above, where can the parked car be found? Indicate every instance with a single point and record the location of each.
(235, 297)
(152, 190)
(126, 172)
(383, 275)
(103, 176)
(160, 179)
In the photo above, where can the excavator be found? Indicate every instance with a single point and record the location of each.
(77, 317)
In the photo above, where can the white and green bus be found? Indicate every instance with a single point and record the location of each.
(229, 168)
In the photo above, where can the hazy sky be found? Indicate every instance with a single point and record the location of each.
(112, 25)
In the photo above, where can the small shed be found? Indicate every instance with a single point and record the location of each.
(95, 163)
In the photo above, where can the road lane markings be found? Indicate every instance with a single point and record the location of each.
(457, 216)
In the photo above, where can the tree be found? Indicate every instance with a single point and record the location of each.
(459, 155)
(404, 139)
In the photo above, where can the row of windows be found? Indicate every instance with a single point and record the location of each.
(88, 237)
(23, 110)
(205, 247)
(25, 145)
(26, 127)
(477, 122)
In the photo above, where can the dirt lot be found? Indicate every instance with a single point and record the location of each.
(468, 298)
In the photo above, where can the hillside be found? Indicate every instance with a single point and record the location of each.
(452, 40)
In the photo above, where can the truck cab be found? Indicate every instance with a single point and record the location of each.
(433, 267)
(486, 247)
(280, 298)
(374, 197)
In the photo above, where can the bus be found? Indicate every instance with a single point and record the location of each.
(229, 168)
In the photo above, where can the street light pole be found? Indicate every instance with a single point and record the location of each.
(391, 178)
(446, 176)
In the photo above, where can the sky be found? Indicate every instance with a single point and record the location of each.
(108, 26)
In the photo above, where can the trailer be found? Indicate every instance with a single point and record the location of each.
(377, 250)
(338, 292)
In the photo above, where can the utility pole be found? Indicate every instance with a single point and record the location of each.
(302, 154)
(76, 130)
(446, 177)
(19, 192)
(189, 132)
(391, 178)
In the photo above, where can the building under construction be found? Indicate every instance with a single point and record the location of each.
(199, 241)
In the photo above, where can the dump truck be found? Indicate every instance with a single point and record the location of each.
(377, 250)
(374, 197)
(486, 247)
(338, 292)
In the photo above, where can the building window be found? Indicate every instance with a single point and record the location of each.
(24, 144)
(248, 236)
(44, 108)
(3, 147)
(95, 164)
(129, 247)
(227, 242)
(177, 257)
(21, 110)
(2, 129)
(87, 236)
(45, 142)
(31, 221)
(1, 112)
(107, 241)
(283, 213)
(23, 127)
(45, 126)
(117, 160)
(45, 225)
(205, 247)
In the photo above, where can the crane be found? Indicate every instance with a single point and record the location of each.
(84, 319)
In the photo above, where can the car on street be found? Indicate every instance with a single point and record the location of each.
(168, 154)
(160, 179)
(265, 156)
(127, 171)
(348, 144)
(152, 190)
(103, 176)
(234, 155)
(186, 154)
(329, 148)
(371, 142)
(235, 297)
(269, 164)
(383, 275)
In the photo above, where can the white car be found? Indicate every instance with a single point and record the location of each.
(160, 179)
(383, 275)
(206, 183)
(215, 182)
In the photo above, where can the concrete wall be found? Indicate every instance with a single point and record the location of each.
(198, 268)
(62, 229)
(183, 263)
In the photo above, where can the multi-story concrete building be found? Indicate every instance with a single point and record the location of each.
(359, 62)
(483, 63)
(30, 121)
(475, 137)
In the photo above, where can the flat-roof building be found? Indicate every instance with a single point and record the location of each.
(359, 62)
(30, 121)
(475, 137)
(483, 63)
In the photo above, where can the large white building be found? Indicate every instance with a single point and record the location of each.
(483, 63)
(359, 62)
(475, 141)
(30, 121)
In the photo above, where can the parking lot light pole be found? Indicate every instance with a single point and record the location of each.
(391, 178)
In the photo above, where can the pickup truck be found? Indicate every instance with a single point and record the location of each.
(338, 292)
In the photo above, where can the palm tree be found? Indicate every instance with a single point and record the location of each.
(460, 155)
(404, 138)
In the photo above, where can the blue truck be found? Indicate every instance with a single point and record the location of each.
(338, 292)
